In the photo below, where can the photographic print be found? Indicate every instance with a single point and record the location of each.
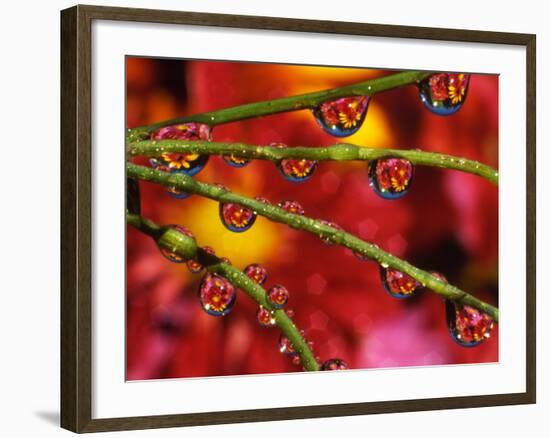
(287, 218)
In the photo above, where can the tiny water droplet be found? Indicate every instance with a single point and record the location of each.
(439, 276)
(226, 261)
(256, 273)
(265, 317)
(326, 239)
(236, 218)
(444, 93)
(397, 283)
(171, 254)
(390, 177)
(342, 117)
(216, 295)
(334, 365)
(278, 295)
(292, 207)
(468, 326)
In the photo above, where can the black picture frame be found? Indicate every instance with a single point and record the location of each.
(76, 209)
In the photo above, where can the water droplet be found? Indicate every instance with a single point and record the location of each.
(172, 191)
(278, 295)
(286, 347)
(265, 317)
(262, 200)
(256, 273)
(439, 276)
(234, 161)
(226, 261)
(342, 117)
(334, 365)
(444, 93)
(194, 266)
(361, 256)
(397, 283)
(326, 239)
(292, 207)
(188, 163)
(468, 326)
(170, 254)
(237, 218)
(390, 177)
(290, 313)
(216, 295)
(296, 360)
(297, 169)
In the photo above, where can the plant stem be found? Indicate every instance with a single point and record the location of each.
(182, 182)
(292, 103)
(187, 248)
(337, 152)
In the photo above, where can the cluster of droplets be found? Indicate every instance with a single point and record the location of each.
(390, 177)
(342, 117)
(178, 162)
(444, 93)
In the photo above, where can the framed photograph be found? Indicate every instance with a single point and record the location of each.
(268, 219)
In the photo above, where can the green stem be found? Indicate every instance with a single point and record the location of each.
(337, 152)
(187, 248)
(182, 182)
(285, 104)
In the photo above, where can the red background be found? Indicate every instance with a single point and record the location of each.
(447, 222)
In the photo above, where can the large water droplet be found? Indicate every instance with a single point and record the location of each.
(390, 177)
(237, 218)
(256, 273)
(293, 207)
(278, 295)
(286, 347)
(170, 254)
(188, 163)
(326, 239)
(216, 295)
(468, 326)
(444, 93)
(342, 117)
(397, 283)
(334, 365)
(265, 317)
